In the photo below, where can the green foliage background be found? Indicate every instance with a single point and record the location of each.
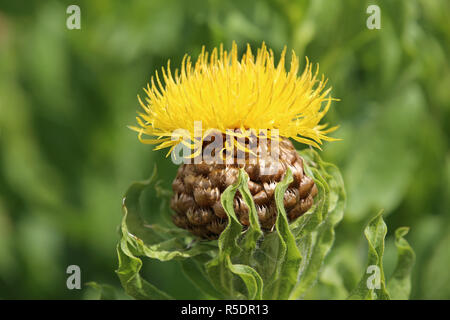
(66, 156)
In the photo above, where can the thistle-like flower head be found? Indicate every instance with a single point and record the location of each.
(224, 92)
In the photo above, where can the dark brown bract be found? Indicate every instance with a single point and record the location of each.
(198, 187)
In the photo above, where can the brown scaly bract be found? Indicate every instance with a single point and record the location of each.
(198, 188)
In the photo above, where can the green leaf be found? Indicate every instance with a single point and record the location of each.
(289, 255)
(316, 244)
(372, 285)
(218, 268)
(170, 244)
(139, 239)
(399, 285)
(228, 238)
(251, 278)
(132, 282)
(254, 232)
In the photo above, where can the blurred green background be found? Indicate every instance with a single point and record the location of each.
(66, 155)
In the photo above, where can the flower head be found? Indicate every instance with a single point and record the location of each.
(226, 93)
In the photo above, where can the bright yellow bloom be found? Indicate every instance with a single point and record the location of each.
(225, 93)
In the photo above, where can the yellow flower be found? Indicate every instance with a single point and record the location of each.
(224, 92)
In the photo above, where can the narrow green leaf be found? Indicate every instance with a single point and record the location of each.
(134, 285)
(218, 268)
(253, 232)
(228, 238)
(131, 206)
(250, 277)
(399, 285)
(321, 239)
(174, 247)
(372, 285)
(152, 241)
(290, 256)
